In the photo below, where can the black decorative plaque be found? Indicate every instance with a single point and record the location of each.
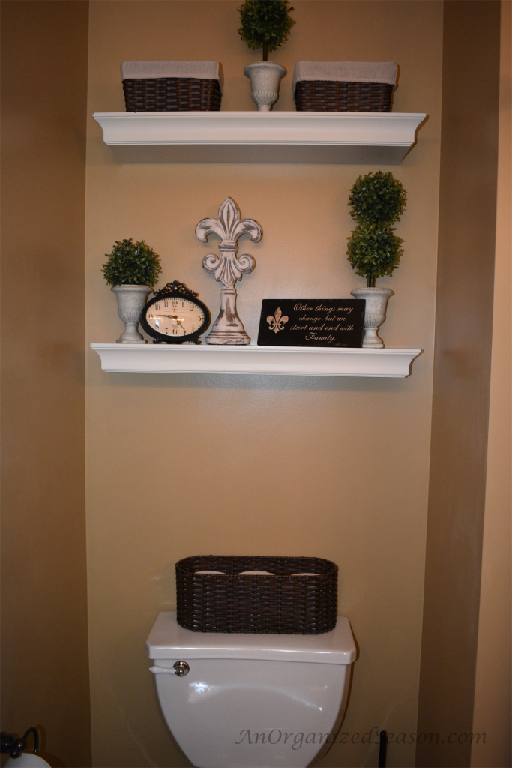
(311, 323)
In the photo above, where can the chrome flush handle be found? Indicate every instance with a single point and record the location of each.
(180, 668)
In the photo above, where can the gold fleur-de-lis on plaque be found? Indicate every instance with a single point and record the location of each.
(276, 322)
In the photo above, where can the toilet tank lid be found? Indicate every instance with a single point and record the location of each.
(167, 640)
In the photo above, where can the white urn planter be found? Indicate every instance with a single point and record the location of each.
(265, 77)
(130, 301)
(374, 313)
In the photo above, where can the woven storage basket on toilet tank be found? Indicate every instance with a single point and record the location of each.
(257, 595)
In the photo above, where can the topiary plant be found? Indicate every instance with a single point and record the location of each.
(377, 201)
(377, 198)
(265, 24)
(131, 263)
(374, 252)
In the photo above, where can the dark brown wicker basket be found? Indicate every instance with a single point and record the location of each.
(337, 96)
(281, 603)
(172, 94)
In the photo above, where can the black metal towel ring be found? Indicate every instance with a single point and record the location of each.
(14, 747)
(383, 743)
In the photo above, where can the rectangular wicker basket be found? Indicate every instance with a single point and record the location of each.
(344, 86)
(287, 595)
(172, 86)
(335, 96)
(171, 94)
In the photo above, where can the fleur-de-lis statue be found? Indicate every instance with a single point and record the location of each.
(228, 268)
(276, 322)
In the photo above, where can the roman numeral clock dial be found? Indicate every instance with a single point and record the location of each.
(175, 315)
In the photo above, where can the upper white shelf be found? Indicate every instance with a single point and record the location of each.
(287, 361)
(261, 137)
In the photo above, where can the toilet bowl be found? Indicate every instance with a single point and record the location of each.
(248, 700)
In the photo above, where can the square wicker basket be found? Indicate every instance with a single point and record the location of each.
(257, 595)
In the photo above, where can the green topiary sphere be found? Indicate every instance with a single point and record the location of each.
(374, 252)
(131, 263)
(265, 24)
(377, 198)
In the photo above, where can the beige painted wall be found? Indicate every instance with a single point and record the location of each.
(44, 600)
(492, 715)
(181, 465)
(460, 415)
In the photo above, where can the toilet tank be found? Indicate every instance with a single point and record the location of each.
(251, 700)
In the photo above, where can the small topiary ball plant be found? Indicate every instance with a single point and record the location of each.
(265, 24)
(131, 264)
(377, 201)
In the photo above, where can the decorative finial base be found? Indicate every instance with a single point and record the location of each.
(228, 328)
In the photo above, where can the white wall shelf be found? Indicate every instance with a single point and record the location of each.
(259, 137)
(287, 361)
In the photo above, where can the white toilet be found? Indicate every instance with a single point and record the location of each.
(250, 700)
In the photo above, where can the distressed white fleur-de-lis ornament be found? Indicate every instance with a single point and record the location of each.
(228, 268)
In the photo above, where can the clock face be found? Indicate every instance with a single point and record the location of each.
(175, 317)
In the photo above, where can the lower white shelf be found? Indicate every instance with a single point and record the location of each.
(284, 361)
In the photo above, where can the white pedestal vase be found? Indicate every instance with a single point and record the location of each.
(265, 77)
(374, 313)
(130, 301)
